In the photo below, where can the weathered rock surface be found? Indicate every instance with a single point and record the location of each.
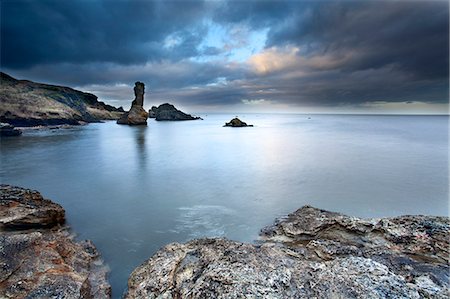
(8, 130)
(25, 104)
(38, 256)
(152, 112)
(168, 112)
(137, 115)
(309, 254)
(236, 122)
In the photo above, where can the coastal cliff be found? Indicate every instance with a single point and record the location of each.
(24, 103)
(39, 257)
(311, 253)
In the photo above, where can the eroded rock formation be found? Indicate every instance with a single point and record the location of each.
(39, 257)
(168, 112)
(310, 254)
(236, 122)
(137, 115)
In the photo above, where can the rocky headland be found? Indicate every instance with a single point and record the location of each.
(137, 115)
(39, 257)
(311, 253)
(237, 123)
(168, 112)
(24, 104)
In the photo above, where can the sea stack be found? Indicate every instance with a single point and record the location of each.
(137, 115)
(236, 123)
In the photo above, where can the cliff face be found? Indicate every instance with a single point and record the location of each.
(38, 256)
(310, 254)
(26, 103)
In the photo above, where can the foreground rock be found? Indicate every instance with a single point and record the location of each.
(236, 122)
(168, 112)
(137, 115)
(8, 130)
(26, 104)
(310, 254)
(38, 256)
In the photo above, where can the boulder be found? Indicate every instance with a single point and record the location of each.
(236, 123)
(22, 208)
(137, 115)
(311, 253)
(39, 257)
(8, 130)
(168, 112)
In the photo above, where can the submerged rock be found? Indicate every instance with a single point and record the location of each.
(137, 115)
(310, 254)
(168, 112)
(236, 122)
(8, 130)
(38, 256)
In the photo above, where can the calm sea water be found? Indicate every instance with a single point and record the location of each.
(134, 189)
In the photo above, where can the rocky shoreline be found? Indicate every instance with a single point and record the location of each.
(311, 253)
(39, 257)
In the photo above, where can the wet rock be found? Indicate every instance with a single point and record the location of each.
(168, 112)
(311, 253)
(236, 122)
(23, 208)
(137, 115)
(8, 130)
(39, 257)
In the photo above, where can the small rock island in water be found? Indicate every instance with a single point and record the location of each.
(236, 123)
(168, 112)
(137, 115)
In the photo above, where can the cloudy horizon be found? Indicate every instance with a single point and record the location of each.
(238, 56)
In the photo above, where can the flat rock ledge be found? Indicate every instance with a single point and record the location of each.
(311, 253)
(39, 257)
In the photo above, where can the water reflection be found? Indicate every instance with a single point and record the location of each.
(141, 149)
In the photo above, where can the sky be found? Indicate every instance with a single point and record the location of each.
(237, 56)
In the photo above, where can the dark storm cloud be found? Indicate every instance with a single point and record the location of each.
(125, 32)
(317, 53)
(412, 36)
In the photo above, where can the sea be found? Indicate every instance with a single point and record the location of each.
(132, 190)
